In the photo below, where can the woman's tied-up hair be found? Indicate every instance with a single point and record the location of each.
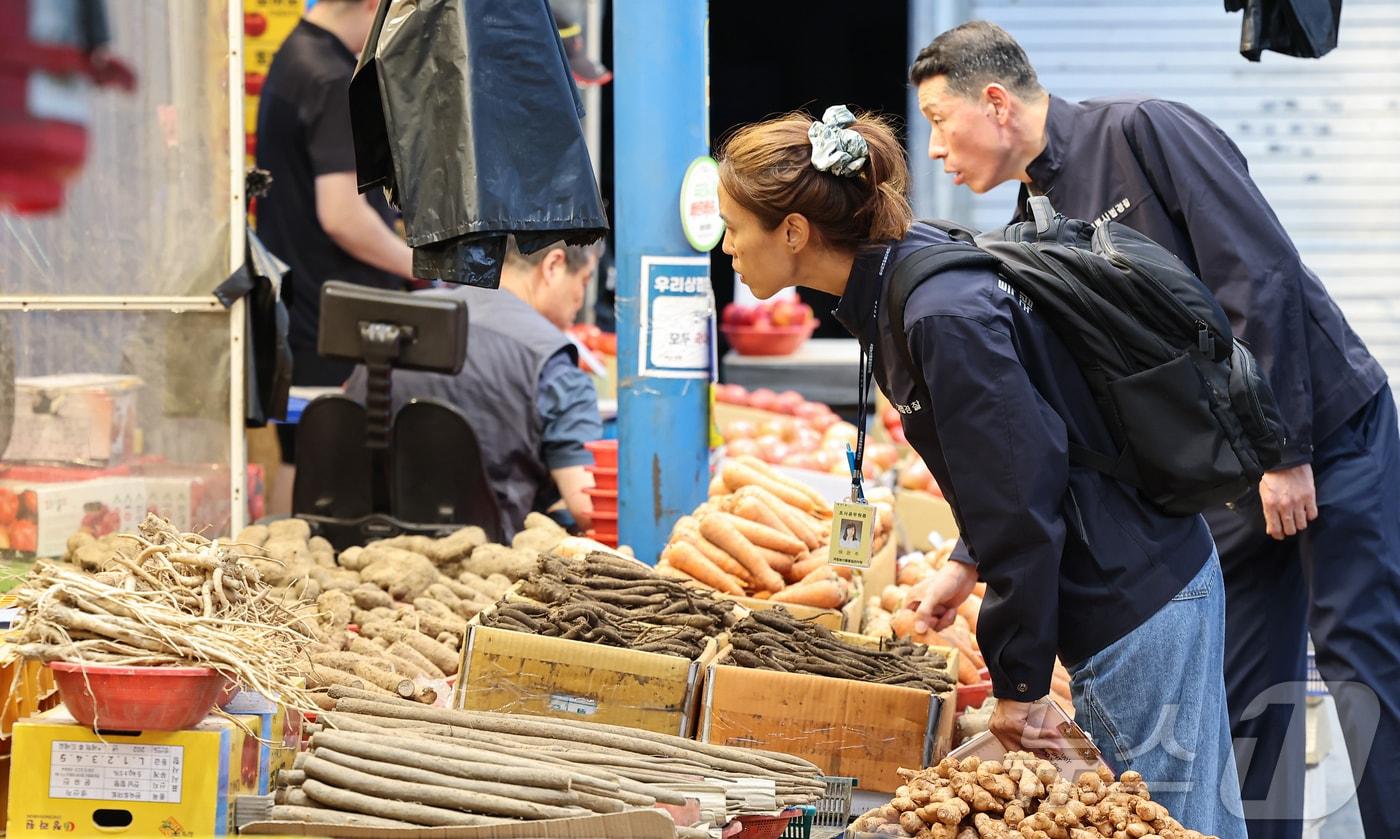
(846, 174)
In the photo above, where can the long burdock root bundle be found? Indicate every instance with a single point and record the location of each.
(389, 759)
(774, 640)
(613, 601)
(173, 599)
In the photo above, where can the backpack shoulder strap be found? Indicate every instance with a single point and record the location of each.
(921, 265)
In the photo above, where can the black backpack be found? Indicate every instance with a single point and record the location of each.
(1193, 417)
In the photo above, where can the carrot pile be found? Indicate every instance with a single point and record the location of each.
(886, 617)
(765, 535)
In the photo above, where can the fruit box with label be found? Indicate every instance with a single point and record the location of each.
(154, 783)
(279, 731)
(77, 418)
(47, 513)
(533, 674)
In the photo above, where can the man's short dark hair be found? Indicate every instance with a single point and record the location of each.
(974, 55)
(576, 257)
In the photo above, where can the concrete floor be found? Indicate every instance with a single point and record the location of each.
(1329, 803)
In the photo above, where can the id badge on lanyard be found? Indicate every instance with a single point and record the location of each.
(853, 521)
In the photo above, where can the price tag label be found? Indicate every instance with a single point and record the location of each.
(116, 771)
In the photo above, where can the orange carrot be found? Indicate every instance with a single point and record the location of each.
(797, 521)
(738, 474)
(777, 560)
(818, 502)
(823, 594)
(753, 509)
(761, 595)
(687, 529)
(717, 485)
(969, 610)
(822, 572)
(804, 566)
(766, 537)
(718, 530)
(687, 558)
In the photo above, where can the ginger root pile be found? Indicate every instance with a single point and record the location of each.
(1020, 797)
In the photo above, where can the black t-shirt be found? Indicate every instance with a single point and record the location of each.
(304, 131)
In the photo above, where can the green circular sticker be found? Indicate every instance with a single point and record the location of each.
(700, 204)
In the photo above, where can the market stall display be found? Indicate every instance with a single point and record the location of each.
(786, 429)
(885, 616)
(475, 768)
(764, 534)
(774, 640)
(392, 616)
(1019, 796)
(767, 327)
(161, 598)
(605, 599)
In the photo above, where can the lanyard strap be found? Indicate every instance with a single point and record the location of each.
(856, 459)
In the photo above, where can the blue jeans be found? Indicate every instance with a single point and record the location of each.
(1154, 701)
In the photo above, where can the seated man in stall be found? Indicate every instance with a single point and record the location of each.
(521, 389)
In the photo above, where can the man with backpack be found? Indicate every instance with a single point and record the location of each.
(1317, 546)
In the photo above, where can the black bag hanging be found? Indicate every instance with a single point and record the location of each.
(466, 112)
(1193, 417)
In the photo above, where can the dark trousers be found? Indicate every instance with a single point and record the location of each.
(1340, 581)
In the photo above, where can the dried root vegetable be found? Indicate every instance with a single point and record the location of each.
(773, 640)
(175, 599)
(613, 601)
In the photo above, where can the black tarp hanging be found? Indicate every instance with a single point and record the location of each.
(1300, 28)
(465, 111)
(267, 355)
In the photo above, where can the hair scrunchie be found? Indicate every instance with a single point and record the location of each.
(836, 148)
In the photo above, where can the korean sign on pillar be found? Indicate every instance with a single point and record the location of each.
(677, 314)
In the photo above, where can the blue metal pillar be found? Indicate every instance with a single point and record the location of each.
(660, 95)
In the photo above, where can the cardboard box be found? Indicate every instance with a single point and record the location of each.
(947, 701)
(51, 512)
(846, 727)
(918, 514)
(533, 674)
(279, 733)
(636, 824)
(155, 783)
(77, 418)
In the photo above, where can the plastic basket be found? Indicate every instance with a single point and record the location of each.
(765, 827)
(829, 816)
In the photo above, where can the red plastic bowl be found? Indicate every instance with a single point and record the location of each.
(765, 827)
(137, 698)
(604, 453)
(972, 696)
(609, 539)
(777, 340)
(604, 500)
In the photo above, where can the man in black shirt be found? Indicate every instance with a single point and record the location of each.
(314, 218)
(1318, 547)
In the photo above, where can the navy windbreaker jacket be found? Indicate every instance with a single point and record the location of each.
(1171, 174)
(1073, 559)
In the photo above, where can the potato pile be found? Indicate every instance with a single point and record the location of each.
(408, 598)
(1020, 797)
(764, 534)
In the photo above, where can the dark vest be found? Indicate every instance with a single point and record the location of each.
(508, 343)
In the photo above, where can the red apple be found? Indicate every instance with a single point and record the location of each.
(789, 313)
(739, 314)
